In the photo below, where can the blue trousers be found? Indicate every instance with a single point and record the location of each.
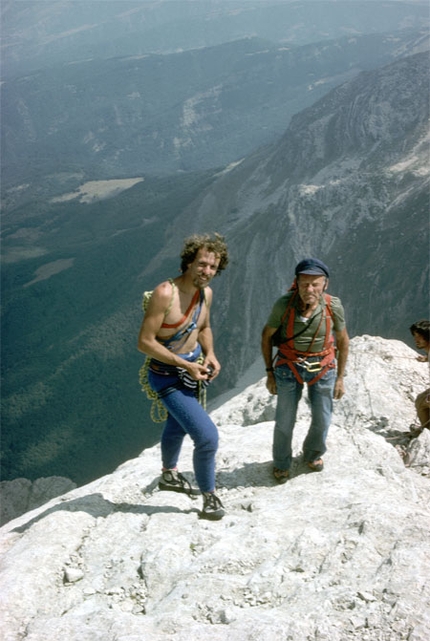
(289, 395)
(186, 416)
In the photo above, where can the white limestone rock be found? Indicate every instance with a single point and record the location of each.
(337, 556)
(419, 453)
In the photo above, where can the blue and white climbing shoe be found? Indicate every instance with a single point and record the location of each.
(174, 481)
(213, 509)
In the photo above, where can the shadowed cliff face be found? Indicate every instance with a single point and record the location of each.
(337, 555)
(348, 182)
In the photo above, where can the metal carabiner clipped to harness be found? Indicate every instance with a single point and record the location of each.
(312, 368)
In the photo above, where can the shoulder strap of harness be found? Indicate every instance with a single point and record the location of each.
(289, 355)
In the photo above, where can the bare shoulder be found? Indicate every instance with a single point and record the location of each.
(208, 296)
(162, 296)
(164, 289)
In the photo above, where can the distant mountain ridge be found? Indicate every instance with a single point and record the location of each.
(159, 114)
(36, 35)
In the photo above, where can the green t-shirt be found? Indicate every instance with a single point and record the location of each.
(304, 340)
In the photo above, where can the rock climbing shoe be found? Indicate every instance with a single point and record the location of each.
(213, 509)
(174, 481)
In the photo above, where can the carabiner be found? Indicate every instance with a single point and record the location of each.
(312, 368)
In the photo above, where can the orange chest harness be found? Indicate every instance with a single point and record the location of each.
(294, 358)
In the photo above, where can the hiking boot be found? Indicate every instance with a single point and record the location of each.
(173, 481)
(213, 509)
(317, 465)
(281, 476)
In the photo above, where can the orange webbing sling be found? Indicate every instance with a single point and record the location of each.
(292, 357)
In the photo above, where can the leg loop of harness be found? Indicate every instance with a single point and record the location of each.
(329, 365)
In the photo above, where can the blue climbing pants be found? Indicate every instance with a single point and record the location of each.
(186, 416)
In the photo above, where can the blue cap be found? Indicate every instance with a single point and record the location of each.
(312, 266)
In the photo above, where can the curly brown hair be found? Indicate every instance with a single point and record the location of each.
(421, 327)
(211, 242)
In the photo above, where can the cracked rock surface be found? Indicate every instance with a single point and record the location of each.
(340, 555)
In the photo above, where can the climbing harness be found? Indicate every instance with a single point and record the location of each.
(158, 411)
(288, 354)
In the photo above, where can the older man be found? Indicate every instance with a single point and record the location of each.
(303, 322)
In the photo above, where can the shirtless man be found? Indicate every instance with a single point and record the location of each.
(421, 335)
(176, 334)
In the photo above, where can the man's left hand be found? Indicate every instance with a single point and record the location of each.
(339, 389)
(213, 364)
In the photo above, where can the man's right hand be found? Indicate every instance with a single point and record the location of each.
(271, 383)
(197, 371)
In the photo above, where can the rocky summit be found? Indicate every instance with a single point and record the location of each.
(337, 556)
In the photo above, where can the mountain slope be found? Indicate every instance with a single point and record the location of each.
(71, 403)
(71, 308)
(348, 182)
(193, 110)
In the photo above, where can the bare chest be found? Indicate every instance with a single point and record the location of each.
(185, 312)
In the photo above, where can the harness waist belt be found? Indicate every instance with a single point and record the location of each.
(162, 368)
(323, 361)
